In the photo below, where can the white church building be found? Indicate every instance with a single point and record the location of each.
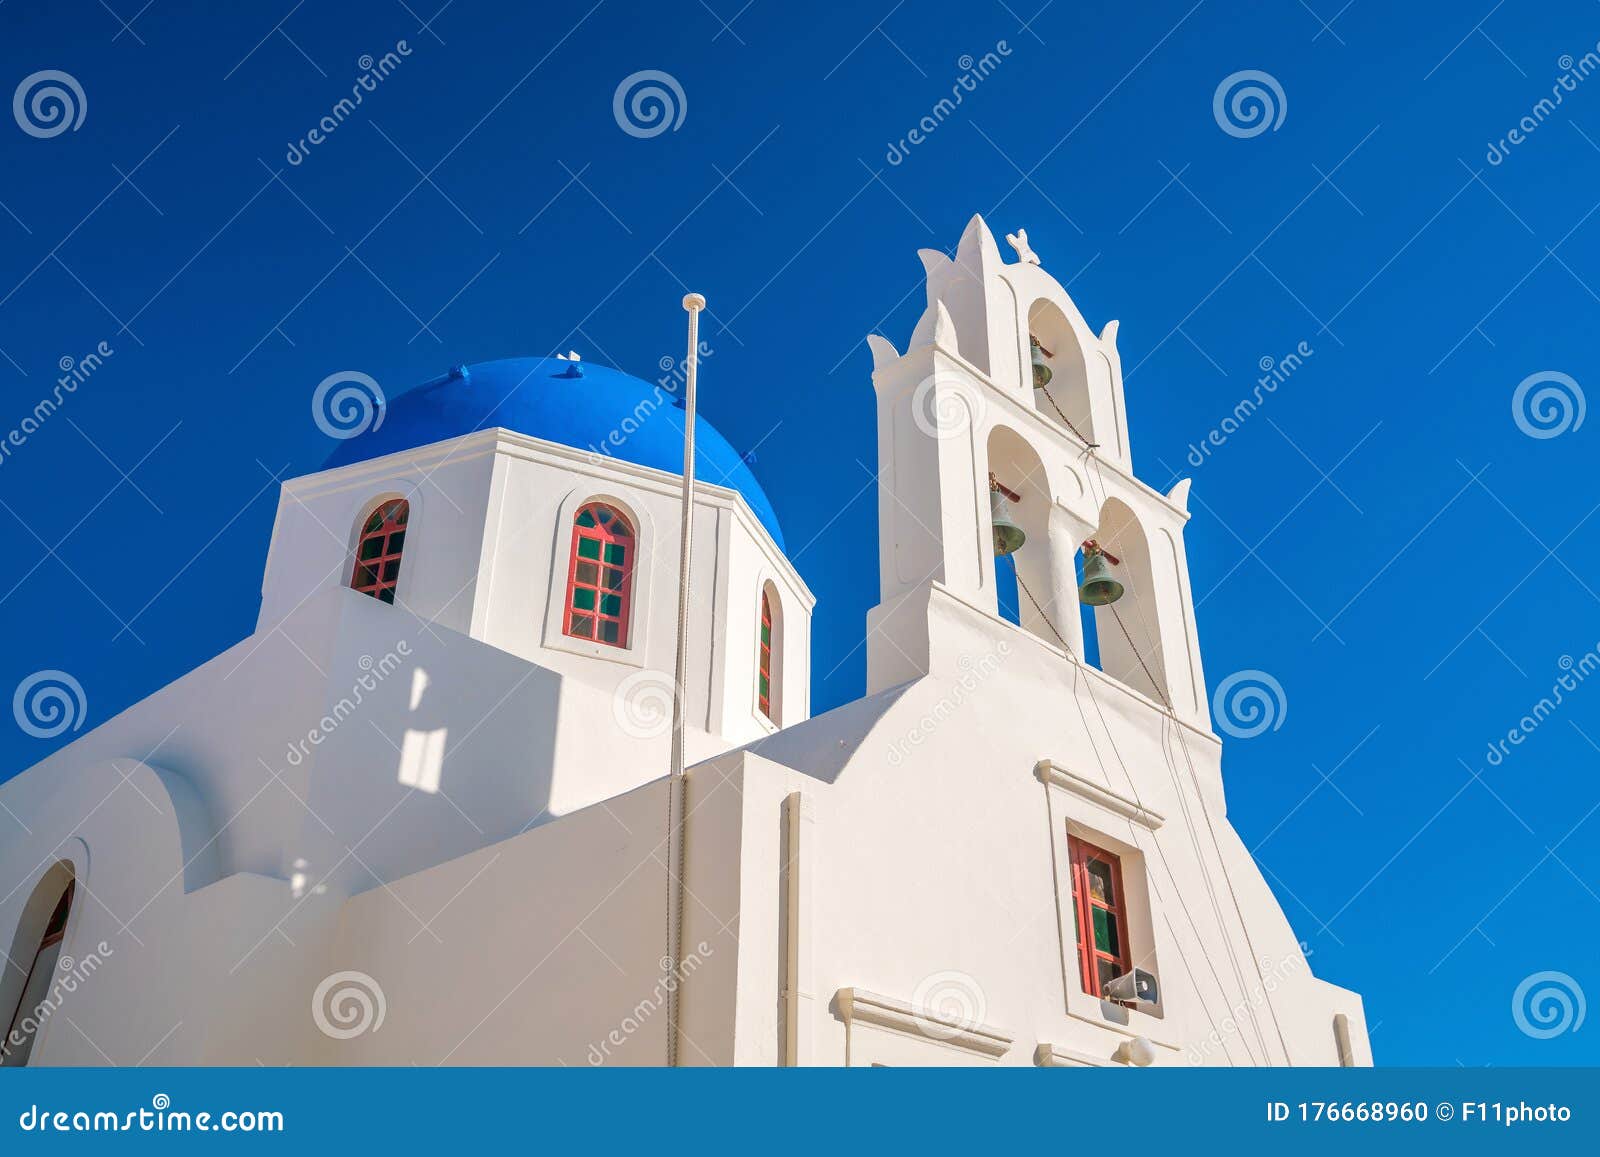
(420, 815)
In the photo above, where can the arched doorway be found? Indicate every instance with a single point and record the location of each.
(31, 969)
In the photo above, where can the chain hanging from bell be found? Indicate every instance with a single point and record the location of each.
(1100, 587)
(1008, 536)
(1042, 372)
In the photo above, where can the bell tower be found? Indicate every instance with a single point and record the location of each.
(1004, 392)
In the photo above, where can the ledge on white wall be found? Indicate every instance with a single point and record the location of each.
(1080, 785)
(857, 1004)
(1059, 1056)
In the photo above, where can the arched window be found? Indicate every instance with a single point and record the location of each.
(764, 659)
(600, 576)
(769, 657)
(23, 1024)
(383, 538)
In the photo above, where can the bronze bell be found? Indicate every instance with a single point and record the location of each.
(1100, 587)
(1008, 536)
(1041, 368)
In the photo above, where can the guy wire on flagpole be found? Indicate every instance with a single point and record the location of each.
(677, 784)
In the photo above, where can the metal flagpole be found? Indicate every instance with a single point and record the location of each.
(677, 784)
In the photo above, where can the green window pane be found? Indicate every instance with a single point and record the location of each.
(387, 595)
(588, 548)
(397, 542)
(1100, 882)
(371, 547)
(585, 517)
(766, 634)
(611, 632)
(611, 604)
(391, 570)
(1106, 938)
(583, 599)
(766, 687)
(615, 554)
(374, 522)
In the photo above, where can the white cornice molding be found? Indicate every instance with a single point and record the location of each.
(858, 1004)
(539, 449)
(1079, 785)
(1024, 637)
(1020, 409)
(1049, 1056)
(500, 440)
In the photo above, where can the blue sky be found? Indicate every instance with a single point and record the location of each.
(1381, 537)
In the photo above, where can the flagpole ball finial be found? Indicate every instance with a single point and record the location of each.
(693, 302)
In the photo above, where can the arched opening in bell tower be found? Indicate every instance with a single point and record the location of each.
(1129, 629)
(1064, 397)
(1020, 494)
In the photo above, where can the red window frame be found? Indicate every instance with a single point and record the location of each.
(764, 659)
(1113, 909)
(600, 576)
(378, 550)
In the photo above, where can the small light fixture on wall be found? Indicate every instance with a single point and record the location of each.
(1136, 1051)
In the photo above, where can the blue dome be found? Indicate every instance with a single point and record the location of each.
(536, 397)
